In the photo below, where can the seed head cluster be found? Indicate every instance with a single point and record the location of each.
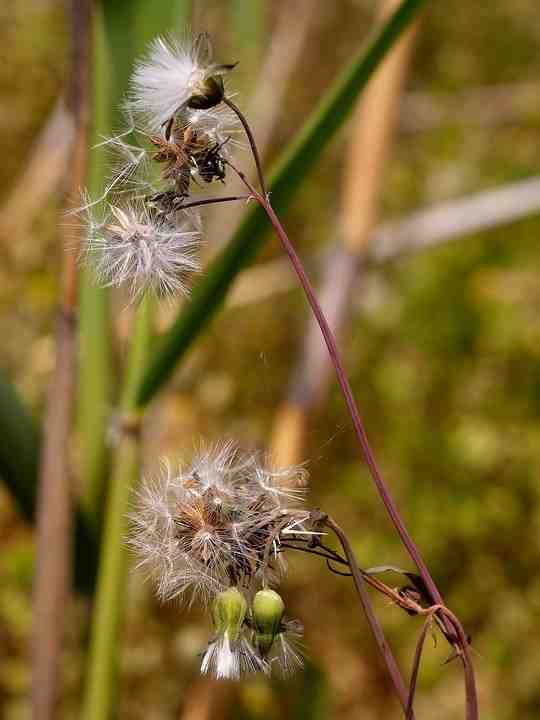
(137, 232)
(214, 532)
(137, 246)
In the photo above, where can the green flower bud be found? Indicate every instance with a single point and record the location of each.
(268, 609)
(229, 610)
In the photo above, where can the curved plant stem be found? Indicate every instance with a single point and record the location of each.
(290, 170)
(453, 633)
(374, 624)
(416, 666)
(104, 639)
(253, 145)
(196, 202)
(345, 388)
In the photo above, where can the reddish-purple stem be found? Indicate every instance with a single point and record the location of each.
(416, 667)
(346, 390)
(453, 627)
(452, 624)
(376, 629)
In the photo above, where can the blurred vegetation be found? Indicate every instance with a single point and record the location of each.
(445, 363)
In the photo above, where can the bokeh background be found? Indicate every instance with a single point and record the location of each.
(443, 347)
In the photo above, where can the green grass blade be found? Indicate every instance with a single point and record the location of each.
(19, 457)
(285, 180)
(132, 24)
(95, 373)
(115, 51)
(19, 449)
(109, 605)
(248, 21)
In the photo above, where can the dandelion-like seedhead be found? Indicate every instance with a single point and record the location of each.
(174, 75)
(178, 134)
(216, 523)
(182, 157)
(136, 246)
(213, 532)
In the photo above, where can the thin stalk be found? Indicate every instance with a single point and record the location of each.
(290, 170)
(253, 145)
(454, 633)
(416, 666)
(102, 669)
(471, 697)
(53, 576)
(376, 629)
(196, 202)
(345, 388)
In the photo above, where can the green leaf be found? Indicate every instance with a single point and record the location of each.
(109, 602)
(19, 459)
(285, 181)
(19, 449)
(95, 370)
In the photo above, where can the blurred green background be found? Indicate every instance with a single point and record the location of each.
(443, 351)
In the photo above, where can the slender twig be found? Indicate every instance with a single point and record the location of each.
(398, 599)
(364, 161)
(416, 666)
(422, 230)
(337, 572)
(196, 202)
(252, 143)
(374, 624)
(311, 551)
(266, 106)
(51, 588)
(345, 388)
(361, 435)
(471, 698)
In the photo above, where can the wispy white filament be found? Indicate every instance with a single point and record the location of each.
(134, 246)
(166, 78)
(195, 528)
(228, 661)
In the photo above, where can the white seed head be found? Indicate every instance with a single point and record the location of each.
(220, 124)
(213, 524)
(286, 656)
(228, 660)
(133, 245)
(131, 164)
(171, 74)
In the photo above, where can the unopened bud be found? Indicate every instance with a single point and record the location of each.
(229, 610)
(207, 93)
(268, 609)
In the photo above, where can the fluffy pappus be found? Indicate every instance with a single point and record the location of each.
(175, 74)
(228, 660)
(215, 523)
(135, 246)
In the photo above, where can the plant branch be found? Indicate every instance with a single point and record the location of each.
(345, 388)
(374, 624)
(290, 170)
(196, 202)
(416, 666)
(361, 435)
(253, 145)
